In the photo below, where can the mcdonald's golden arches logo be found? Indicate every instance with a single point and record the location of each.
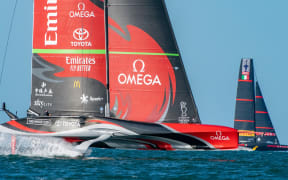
(77, 84)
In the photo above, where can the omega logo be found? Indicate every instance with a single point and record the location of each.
(138, 77)
(81, 12)
(81, 6)
(142, 63)
(219, 137)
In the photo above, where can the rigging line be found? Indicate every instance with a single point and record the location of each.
(255, 79)
(8, 39)
(255, 74)
(83, 79)
(84, 75)
(106, 22)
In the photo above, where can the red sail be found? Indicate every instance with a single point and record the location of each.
(142, 85)
(69, 52)
(146, 75)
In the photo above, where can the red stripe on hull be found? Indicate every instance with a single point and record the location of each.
(261, 97)
(160, 144)
(72, 140)
(102, 122)
(242, 145)
(220, 137)
(24, 128)
(278, 146)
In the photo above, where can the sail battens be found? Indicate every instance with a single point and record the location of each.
(69, 51)
(241, 80)
(261, 112)
(264, 128)
(245, 121)
(250, 100)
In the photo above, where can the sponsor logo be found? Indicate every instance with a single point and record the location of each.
(246, 65)
(81, 12)
(42, 104)
(80, 64)
(77, 84)
(81, 6)
(39, 122)
(246, 133)
(80, 60)
(51, 13)
(43, 91)
(85, 99)
(219, 137)
(245, 69)
(80, 35)
(68, 123)
(139, 77)
(183, 108)
(265, 134)
(183, 119)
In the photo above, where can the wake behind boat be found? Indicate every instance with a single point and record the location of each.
(252, 119)
(109, 74)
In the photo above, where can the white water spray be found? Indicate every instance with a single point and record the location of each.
(37, 146)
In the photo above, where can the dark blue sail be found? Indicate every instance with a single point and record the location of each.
(245, 104)
(265, 132)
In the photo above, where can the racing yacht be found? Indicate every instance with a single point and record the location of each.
(109, 74)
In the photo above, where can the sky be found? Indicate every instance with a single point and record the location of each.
(212, 36)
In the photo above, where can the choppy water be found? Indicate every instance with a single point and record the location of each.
(55, 159)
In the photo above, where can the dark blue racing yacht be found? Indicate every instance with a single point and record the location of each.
(252, 119)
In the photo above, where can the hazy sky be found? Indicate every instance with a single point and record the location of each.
(212, 36)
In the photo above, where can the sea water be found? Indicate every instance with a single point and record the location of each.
(52, 158)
